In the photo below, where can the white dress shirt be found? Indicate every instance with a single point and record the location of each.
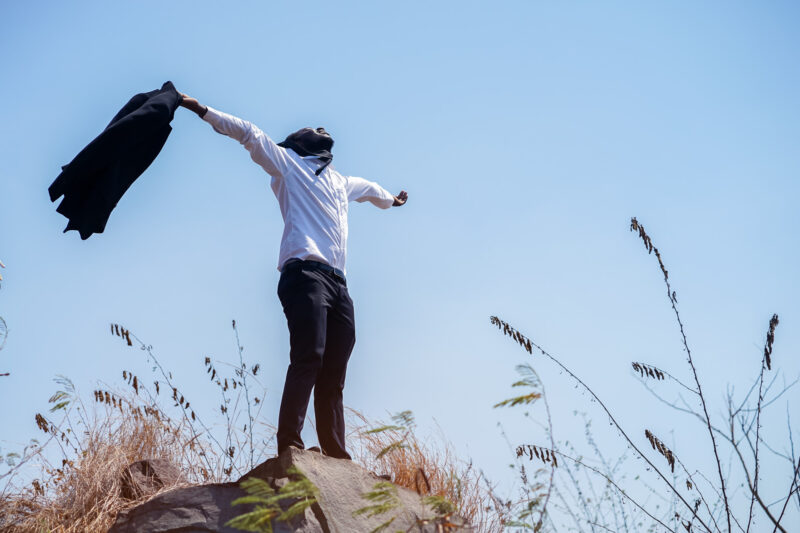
(314, 208)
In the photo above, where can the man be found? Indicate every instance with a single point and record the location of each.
(313, 198)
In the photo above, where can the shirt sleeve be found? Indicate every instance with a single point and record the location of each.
(263, 150)
(361, 190)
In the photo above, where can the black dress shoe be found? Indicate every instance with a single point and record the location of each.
(281, 452)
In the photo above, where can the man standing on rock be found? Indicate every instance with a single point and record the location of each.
(313, 198)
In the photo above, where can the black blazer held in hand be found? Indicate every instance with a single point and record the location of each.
(96, 179)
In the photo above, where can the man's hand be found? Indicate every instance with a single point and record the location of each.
(400, 199)
(193, 105)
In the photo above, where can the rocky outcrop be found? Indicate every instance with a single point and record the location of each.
(341, 485)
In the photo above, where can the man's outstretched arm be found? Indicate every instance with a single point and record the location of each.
(193, 105)
(361, 190)
(263, 150)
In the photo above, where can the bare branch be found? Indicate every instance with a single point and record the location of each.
(635, 226)
(527, 342)
(765, 364)
(614, 484)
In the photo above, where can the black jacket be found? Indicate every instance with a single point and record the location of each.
(96, 179)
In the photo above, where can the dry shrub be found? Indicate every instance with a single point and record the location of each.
(83, 493)
(428, 468)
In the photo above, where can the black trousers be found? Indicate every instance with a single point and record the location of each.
(319, 313)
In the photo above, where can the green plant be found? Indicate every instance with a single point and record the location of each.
(267, 501)
(382, 499)
(404, 425)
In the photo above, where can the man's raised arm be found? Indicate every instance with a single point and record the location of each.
(361, 190)
(263, 150)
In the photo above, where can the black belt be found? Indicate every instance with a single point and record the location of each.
(316, 265)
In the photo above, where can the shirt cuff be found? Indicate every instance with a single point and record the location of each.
(213, 117)
(389, 200)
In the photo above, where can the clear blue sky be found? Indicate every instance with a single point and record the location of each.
(527, 134)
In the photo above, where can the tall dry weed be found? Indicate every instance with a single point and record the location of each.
(697, 502)
(84, 491)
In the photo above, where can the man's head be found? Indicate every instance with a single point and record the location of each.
(311, 141)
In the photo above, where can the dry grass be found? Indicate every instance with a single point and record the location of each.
(83, 493)
(429, 468)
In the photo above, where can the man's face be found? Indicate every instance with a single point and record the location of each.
(320, 135)
(311, 140)
(319, 131)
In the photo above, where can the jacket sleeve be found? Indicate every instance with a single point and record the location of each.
(271, 157)
(361, 190)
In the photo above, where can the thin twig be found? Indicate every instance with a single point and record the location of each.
(614, 484)
(767, 350)
(635, 226)
(149, 349)
(753, 490)
(524, 341)
(243, 373)
(788, 497)
(673, 378)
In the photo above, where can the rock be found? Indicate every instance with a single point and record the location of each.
(340, 482)
(199, 509)
(148, 476)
